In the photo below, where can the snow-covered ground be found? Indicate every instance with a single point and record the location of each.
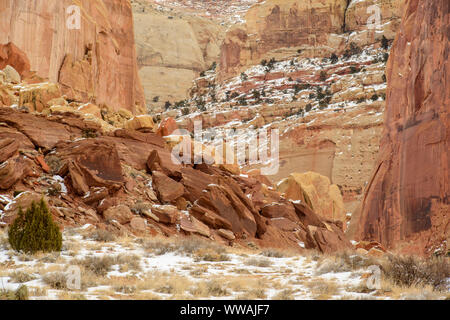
(156, 268)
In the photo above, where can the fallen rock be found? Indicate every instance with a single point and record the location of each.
(316, 191)
(140, 123)
(192, 225)
(167, 127)
(166, 213)
(166, 188)
(121, 213)
(37, 96)
(14, 170)
(138, 224)
(12, 75)
(227, 234)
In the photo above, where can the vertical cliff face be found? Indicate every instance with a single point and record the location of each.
(406, 205)
(96, 62)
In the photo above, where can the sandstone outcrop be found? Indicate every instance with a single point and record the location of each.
(406, 204)
(317, 192)
(174, 49)
(110, 180)
(95, 62)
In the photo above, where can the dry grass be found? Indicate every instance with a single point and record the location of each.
(20, 276)
(410, 271)
(343, 262)
(258, 262)
(323, 289)
(56, 280)
(101, 235)
(286, 294)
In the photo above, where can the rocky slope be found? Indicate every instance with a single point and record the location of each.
(119, 176)
(95, 63)
(406, 205)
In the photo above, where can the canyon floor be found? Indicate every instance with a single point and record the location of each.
(191, 268)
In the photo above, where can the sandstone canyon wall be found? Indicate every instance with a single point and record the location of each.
(95, 63)
(279, 29)
(406, 205)
(172, 50)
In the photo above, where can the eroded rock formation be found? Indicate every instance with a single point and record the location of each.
(406, 205)
(96, 62)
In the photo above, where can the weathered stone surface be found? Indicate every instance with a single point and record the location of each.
(167, 127)
(121, 213)
(8, 148)
(140, 123)
(92, 163)
(172, 51)
(13, 170)
(98, 60)
(192, 225)
(166, 188)
(11, 75)
(166, 213)
(138, 224)
(11, 55)
(277, 24)
(406, 202)
(316, 191)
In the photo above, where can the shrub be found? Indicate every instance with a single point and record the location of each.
(35, 230)
(56, 280)
(384, 43)
(21, 276)
(375, 97)
(410, 271)
(323, 76)
(89, 133)
(308, 107)
(354, 69)
(334, 58)
(102, 235)
(20, 294)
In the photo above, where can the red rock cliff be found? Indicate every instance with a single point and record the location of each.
(406, 205)
(96, 62)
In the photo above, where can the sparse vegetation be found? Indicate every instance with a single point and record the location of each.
(410, 271)
(34, 230)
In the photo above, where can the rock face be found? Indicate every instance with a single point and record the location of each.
(406, 205)
(317, 192)
(172, 50)
(279, 28)
(96, 62)
(276, 24)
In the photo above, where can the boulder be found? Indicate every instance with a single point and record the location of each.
(138, 224)
(11, 55)
(37, 97)
(167, 127)
(166, 213)
(90, 108)
(227, 234)
(166, 188)
(14, 170)
(121, 213)
(316, 191)
(12, 75)
(140, 123)
(192, 225)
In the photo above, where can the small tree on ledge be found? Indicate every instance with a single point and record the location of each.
(34, 230)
